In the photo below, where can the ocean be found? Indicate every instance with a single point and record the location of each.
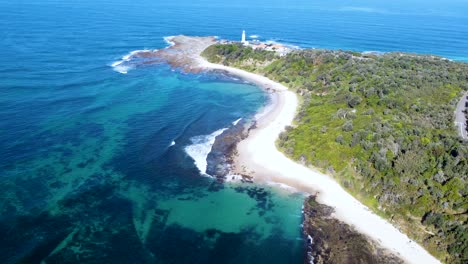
(103, 160)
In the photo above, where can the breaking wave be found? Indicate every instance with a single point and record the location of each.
(280, 42)
(125, 63)
(373, 52)
(201, 147)
(168, 40)
(236, 122)
(137, 57)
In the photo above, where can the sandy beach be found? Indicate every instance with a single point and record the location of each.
(259, 157)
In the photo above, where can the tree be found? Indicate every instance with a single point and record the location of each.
(354, 100)
(348, 126)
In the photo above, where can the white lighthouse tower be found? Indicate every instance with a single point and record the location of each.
(243, 37)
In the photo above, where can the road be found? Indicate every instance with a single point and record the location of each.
(460, 118)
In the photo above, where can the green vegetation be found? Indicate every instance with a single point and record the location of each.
(383, 127)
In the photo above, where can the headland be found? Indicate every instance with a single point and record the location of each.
(259, 157)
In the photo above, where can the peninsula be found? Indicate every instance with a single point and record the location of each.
(321, 123)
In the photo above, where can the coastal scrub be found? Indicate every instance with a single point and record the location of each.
(383, 127)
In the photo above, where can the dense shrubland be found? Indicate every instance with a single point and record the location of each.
(383, 127)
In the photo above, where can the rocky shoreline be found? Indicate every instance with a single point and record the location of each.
(183, 54)
(326, 239)
(223, 151)
(329, 240)
(221, 158)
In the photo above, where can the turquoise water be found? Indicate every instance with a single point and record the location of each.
(104, 167)
(95, 164)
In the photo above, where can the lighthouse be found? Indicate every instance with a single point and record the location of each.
(243, 37)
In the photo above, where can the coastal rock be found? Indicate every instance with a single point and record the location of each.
(329, 240)
(183, 55)
(223, 151)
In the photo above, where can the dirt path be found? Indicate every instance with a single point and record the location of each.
(460, 118)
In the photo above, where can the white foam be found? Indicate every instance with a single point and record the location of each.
(122, 65)
(200, 149)
(118, 67)
(373, 52)
(169, 41)
(236, 122)
(291, 46)
(233, 178)
(172, 143)
(283, 186)
(254, 36)
(132, 53)
(264, 111)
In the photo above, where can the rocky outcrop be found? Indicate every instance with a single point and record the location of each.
(223, 150)
(332, 241)
(184, 54)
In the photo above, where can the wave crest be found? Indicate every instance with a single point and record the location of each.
(124, 64)
(201, 147)
(133, 59)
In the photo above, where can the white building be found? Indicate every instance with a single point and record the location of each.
(243, 41)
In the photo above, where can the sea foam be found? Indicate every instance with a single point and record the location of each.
(236, 122)
(168, 40)
(200, 149)
(123, 65)
(280, 42)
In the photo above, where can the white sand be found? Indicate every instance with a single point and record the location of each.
(258, 154)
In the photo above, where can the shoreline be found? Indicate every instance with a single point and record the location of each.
(258, 155)
(332, 241)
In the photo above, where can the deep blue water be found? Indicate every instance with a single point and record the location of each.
(94, 165)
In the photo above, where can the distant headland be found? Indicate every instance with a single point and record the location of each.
(184, 53)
